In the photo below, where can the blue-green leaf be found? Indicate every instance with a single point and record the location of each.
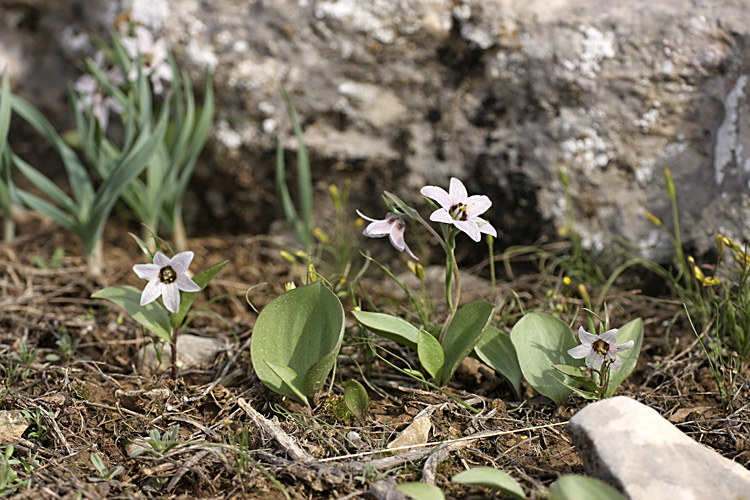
(356, 399)
(632, 331)
(492, 478)
(430, 354)
(496, 350)
(391, 327)
(574, 487)
(290, 379)
(541, 341)
(301, 330)
(152, 316)
(421, 491)
(187, 298)
(462, 335)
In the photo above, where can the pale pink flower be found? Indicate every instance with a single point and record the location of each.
(93, 96)
(153, 54)
(599, 349)
(460, 209)
(166, 278)
(393, 226)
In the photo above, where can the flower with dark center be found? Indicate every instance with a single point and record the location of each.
(460, 209)
(166, 278)
(393, 226)
(599, 349)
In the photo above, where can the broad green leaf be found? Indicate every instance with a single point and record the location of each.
(187, 298)
(632, 331)
(574, 487)
(290, 379)
(391, 327)
(298, 329)
(356, 399)
(462, 335)
(492, 478)
(430, 354)
(541, 341)
(496, 350)
(421, 491)
(152, 316)
(576, 373)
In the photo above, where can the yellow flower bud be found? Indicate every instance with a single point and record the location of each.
(567, 281)
(584, 293)
(654, 219)
(289, 286)
(320, 235)
(416, 269)
(287, 256)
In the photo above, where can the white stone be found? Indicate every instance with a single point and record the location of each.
(633, 448)
(193, 352)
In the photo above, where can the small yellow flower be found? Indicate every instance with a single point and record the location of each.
(416, 269)
(567, 281)
(289, 286)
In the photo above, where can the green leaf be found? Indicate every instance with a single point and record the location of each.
(421, 491)
(152, 316)
(496, 350)
(301, 329)
(462, 335)
(541, 341)
(430, 354)
(187, 298)
(491, 478)
(574, 487)
(290, 379)
(356, 399)
(391, 327)
(632, 331)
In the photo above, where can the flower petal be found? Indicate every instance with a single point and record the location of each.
(151, 292)
(477, 205)
(161, 260)
(470, 228)
(484, 226)
(181, 262)
(378, 228)
(610, 337)
(457, 192)
(580, 351)
(438, 194)
(622, 347)
(585, 337)
(147, 271)
(441, 215)
(363, 216)
(594, 360)
(171, 295)
(186, 284)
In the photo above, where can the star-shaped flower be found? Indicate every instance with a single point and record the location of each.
(599, 349)
(460, 209)
(393, 226)
(93, 95)
(166, 278)
(153, 55)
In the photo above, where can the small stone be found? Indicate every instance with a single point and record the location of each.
(636, 450)
(414, 434)
(12, 425)
(193, 352)
(136, 400)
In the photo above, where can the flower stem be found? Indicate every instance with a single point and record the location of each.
(451, 274)
(173, 343)
(94, 260)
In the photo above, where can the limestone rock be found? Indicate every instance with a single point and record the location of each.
(415, 433)
(193, 352)
(500, 93)
(12, 425)
(633, 448)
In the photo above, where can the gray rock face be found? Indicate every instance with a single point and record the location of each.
(633, 448)
(396, 94)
